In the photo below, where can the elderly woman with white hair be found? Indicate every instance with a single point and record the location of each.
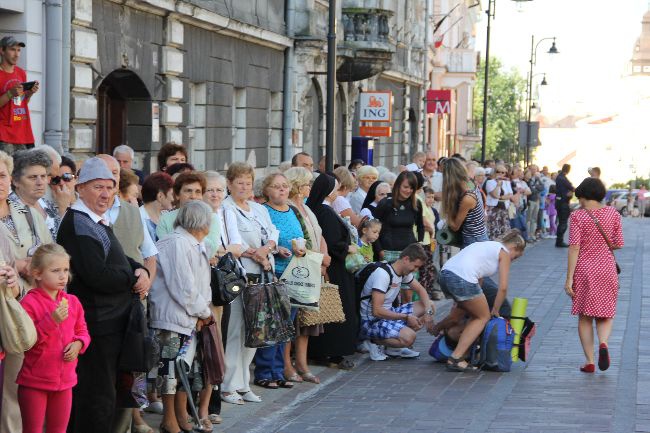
(366, 176)
(179, 306)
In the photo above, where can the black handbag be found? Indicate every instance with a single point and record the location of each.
(140, 347)
(227, 281)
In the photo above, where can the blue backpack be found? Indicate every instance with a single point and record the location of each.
(493, 350)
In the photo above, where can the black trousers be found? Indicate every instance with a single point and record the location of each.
(94, 397)
(563, 212)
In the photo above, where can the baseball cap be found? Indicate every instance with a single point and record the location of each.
(93, 169)
(10, 41)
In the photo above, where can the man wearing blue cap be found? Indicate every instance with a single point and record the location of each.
(15, 93)
(104, 281)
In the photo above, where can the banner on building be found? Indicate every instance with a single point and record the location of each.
(523, 134)
(438, 101)
(375, 131)
(375, 106)
(155, 122)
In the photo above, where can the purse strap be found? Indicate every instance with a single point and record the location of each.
(600, 229)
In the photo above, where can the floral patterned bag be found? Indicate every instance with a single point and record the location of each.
(267, 314)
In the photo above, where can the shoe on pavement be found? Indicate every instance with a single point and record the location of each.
(232, 398)
(562, 245)
(155, 407)
(251, 397)
(375, 351)
(404, 352)
(362, 347)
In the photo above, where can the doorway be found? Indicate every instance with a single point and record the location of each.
(124, 112)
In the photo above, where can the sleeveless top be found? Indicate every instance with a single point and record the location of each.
(474, 224)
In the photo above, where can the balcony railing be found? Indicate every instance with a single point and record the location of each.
(459, 60)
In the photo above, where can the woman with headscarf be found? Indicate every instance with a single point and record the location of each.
(376, 193)
(339, 338)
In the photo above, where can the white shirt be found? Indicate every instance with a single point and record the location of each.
(356, 199)
(478, 260)
(340, 204)
(389, 285)
(491, 185)
(81, 207)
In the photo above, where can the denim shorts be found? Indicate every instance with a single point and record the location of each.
(456, 287)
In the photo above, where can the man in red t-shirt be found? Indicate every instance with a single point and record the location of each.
(15, 93)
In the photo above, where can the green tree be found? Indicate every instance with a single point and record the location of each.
(506, 96)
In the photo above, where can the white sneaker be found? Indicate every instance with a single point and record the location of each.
(404, 352)
(251, 397)
(376, 352)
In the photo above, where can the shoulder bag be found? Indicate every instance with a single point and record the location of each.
(17, 330)
(609, 244)
(227, 279)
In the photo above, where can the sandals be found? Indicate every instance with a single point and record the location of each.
(454, 365)
(215, 418)
(267, 383)
(285, 384)
(232, 398)
(295, 377)
(205, 424)
(308, 376)
(142, 428)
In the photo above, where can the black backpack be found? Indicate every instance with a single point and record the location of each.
(364, 273)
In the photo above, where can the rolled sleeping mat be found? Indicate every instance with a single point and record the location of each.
(517, 321)
(447, 236)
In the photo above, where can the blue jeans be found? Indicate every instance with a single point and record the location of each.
(469, 240)
(519, 222)
(269, 361)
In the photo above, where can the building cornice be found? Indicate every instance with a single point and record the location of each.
(203, 18)
(403, 77)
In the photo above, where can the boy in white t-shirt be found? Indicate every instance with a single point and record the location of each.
(394, 327)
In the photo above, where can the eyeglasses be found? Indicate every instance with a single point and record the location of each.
(501, 172)
(65, 177)
(215, 191)
(279, 186)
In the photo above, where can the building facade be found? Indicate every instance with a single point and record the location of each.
(234, 80)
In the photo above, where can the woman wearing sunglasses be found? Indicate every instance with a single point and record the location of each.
(499, 194)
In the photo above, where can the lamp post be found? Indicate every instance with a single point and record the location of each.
(490, 15)
(331, 86)
(533, 61)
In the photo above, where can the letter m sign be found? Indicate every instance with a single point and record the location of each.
(438, 101)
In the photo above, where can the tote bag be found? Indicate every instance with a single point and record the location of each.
(303, 280)
(17, 330)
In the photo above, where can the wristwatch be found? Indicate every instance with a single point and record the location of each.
(430, 312)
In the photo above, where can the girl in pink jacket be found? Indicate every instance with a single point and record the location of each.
(48, 373)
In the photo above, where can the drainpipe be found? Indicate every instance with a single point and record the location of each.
(425, 75)
(65, 76)
(287, 95)
(53, 62)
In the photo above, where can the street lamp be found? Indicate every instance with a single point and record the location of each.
(533, 61)
(490, 15)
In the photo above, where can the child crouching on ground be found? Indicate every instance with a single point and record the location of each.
(48, 373)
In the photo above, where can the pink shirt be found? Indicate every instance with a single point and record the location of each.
(44, 367)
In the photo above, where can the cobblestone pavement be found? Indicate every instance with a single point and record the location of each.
(548, 394)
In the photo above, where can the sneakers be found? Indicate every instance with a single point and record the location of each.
(154, 407)
(404, 352)
(375, 351)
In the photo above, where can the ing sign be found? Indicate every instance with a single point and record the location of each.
(375, 106)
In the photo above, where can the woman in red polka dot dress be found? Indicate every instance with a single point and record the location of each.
(592, 280)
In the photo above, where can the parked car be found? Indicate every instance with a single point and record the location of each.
(612, 194)
(620, 203)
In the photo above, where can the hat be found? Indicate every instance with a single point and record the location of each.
(93, 169)
(10, 41)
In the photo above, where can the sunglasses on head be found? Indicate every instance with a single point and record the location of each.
(66, 177)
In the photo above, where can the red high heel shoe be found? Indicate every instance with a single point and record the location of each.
(588, 368)
(603, 357)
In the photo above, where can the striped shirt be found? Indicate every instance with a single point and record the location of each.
(474, 224)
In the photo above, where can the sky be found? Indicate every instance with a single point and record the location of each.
(595, 39)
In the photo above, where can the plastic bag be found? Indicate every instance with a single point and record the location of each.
(267, 315)
(303, 280)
